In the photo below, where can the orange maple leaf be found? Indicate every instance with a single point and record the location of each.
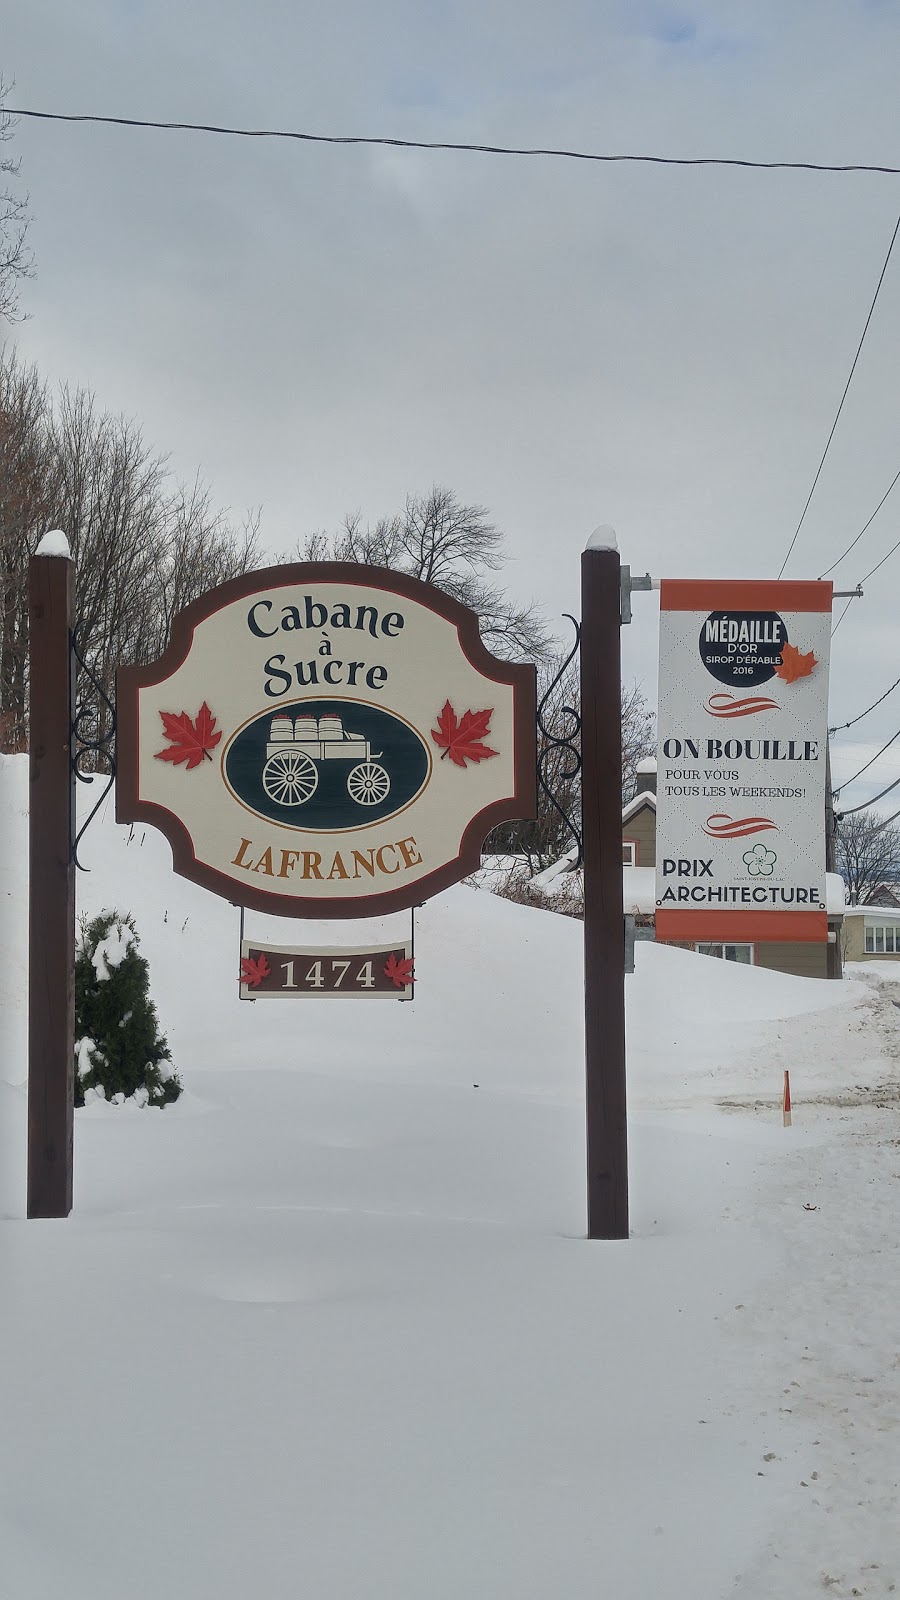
(400, 972)
(253, 972)
(191, 741)
(461, 737)
(794, 664)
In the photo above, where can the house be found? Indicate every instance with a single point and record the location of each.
(804, 960)
(871, 933)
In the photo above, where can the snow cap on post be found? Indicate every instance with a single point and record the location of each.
(54, 544)
(603, 538)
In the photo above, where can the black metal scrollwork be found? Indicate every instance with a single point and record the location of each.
(560, 744)
(90, 741)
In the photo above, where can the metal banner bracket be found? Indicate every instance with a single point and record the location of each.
(629, 585)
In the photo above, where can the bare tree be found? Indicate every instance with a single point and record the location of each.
(197, 549)
(143, 546)
(638, 737)
(441, 541)
(868, 858)
(15, 257)
(24, 516)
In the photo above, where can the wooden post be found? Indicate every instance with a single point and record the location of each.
(51, 940)
(604, 934)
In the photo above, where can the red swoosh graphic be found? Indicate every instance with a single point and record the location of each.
(725, 705)
(720, 826)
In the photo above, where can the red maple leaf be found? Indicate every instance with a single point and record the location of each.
(461, 737)
(400, 972)
(191, 741)
(794, 664)
(253, 972)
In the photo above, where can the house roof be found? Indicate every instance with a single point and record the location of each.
(877, 913)
(643, 798)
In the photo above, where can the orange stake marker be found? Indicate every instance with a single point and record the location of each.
(786, 1099)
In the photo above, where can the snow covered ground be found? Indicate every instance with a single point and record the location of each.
(329, 1327)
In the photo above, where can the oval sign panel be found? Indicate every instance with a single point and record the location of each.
(326, 740)
(327, 765)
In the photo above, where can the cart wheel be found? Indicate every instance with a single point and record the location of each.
(368, 783)
(290, 778)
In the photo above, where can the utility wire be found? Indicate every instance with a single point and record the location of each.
(847, 781)
(887, 821)
(439, 144)
(853, 720)
(895, 480)
(879, 564)
(877, 567)
(853, 809)
(843, 614)
(843, 398)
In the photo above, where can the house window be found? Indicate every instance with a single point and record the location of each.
(882, 939)
(629, 852)
(742, 953)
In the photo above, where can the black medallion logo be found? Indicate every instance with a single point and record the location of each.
(327, 765)
(742, 647)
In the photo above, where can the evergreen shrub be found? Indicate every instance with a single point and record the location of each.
(119, 1050)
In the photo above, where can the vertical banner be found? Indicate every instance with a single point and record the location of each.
(743, 712)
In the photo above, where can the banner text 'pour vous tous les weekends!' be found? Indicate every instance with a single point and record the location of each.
(743, 712)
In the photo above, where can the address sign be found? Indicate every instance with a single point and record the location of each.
(326, 740)
(382, 972)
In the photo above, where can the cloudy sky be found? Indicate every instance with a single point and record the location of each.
(322, 329)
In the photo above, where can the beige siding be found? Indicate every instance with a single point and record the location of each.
(642, 827)
(803, 960)
(854, 939)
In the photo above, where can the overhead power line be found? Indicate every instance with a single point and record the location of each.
(871, 573)
(853, 720)
(840, 408)
(847, 781)
(852, 810)
(843, 614)
(887, 821)
(854, 542)
(445, 144)
(879, 564)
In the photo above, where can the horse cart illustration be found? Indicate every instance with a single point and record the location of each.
(297, 745)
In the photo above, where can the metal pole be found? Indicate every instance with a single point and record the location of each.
(51, 939)
(833, 963)
(604, 937)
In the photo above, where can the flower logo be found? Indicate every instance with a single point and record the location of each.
(760, 861)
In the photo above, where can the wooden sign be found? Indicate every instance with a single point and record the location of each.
(326, 740)
(382, 972)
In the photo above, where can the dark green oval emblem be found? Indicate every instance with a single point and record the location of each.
(327, 765)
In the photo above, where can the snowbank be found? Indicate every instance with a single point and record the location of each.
(327, 1326)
